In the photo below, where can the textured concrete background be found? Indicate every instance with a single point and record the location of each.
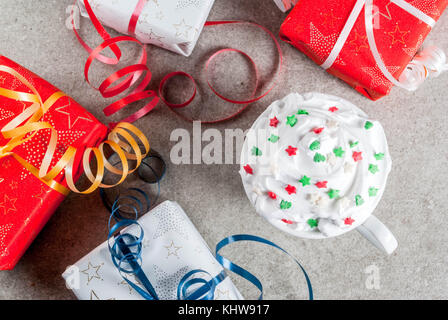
(414, 206)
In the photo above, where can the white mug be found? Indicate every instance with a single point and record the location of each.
(272, 169)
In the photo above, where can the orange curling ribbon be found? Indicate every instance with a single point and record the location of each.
(27, 124)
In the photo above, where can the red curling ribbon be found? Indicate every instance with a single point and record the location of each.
(135, 15)
(130, 75)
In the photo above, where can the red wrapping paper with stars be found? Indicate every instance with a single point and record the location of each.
(313, 26)
(26, 203)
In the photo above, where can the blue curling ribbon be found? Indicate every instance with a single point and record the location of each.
(126, 253)
(126, 249)
(227, 264)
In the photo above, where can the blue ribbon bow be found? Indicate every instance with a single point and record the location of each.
(126, 248)
(126, 252)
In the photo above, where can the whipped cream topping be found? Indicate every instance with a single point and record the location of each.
(314, 165)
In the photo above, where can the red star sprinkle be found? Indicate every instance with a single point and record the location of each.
(290, 189)
(287, 221)
(357, 156)
(248, 169)
(321, 184)
(333, 109)
(291, 151)
(318, 130)
(272, 195)
(274, 122)
(348, 221)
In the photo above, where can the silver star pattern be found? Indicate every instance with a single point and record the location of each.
(172, 250)
(182, 29)
(166, 284)
(92, 272)
(182, 4)
(169, 219)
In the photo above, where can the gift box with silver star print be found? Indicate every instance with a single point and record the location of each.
(171, 248)
(171, 24)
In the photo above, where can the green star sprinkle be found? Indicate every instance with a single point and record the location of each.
(333, 193)
(256, 151)
(368, 125)
(373, 191)
(338, 152)
(353, 144)
(305, 181)
(273, 138)
(315, 145)
(359, 200)
(291, 120)
(301, 111)
(373, 168)
(319, 157)
(285, 205)
(379, 156)
(312, 223)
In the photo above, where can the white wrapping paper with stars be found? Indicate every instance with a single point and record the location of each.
(171, 24)
(172, 247)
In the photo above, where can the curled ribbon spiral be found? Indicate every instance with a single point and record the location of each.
(126, 253)
(130, 75)
(126, 246)
(429, 61)
(27, 124)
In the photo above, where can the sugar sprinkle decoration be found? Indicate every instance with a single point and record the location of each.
(373, 191)
(357, 156)
(290, 189)
(368, 125)
(248, 169)
(333, 193)
(319, 157)
(273, 138)
(379, 156)
(321, 184)
(256, 152)
(291, 151)
(338, 152)
(274, 122)
(353, 144)
(318, 130)
(359, 200)
(373, 168)
(285, 205)
(313, 223)
(291, 120)
(315, 145)
(305, 181)
(348, 221)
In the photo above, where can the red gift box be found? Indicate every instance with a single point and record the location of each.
(314, 26)
(26, 203)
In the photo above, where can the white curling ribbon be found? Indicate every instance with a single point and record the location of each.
(428, 62)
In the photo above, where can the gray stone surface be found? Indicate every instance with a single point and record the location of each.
(414, 206)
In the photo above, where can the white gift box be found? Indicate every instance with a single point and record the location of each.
(171, 248)
(171, 24)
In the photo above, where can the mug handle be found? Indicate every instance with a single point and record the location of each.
(378, 234)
